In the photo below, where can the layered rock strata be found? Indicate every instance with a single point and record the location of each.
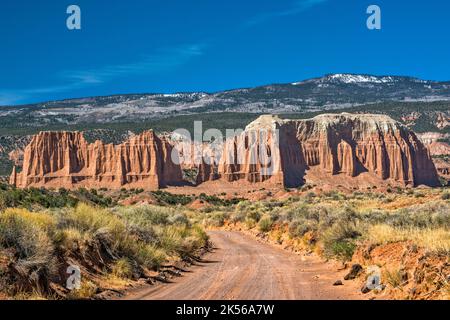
(345, 144)
(270, 150)
(65, 159)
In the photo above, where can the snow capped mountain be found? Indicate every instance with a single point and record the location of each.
(352, 78)
(184, 95)
(333, 91)
(348, 78)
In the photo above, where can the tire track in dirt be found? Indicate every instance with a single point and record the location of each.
(232, 272)
(241, 268)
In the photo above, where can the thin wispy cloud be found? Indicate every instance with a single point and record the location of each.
(296, 8)
(163, 60)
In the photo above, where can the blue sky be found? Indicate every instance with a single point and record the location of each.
(138, 46)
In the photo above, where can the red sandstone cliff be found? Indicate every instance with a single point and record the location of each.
(269, 150)
(65, 159)
(335, 143)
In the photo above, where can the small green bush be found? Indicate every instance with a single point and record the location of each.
(445, 196)
(265, 224)
(215, 219)
(250, 223)
(254, 215)
(28, 235)
(171, 199)
(299, 228)
(122, 268)
(339, 241)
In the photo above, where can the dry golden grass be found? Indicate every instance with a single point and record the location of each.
(87, 291)
(30, 296)
(406, 201)
(141, 237)
(394, 278)
(114, 282)
(42, 220)
(436, 240)
(366, 204)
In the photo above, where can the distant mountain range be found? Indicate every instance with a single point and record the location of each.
(423, 106)
(331, 92)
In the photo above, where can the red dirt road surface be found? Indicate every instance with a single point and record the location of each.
(241, 268)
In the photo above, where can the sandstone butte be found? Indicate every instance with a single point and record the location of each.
(346, 145)
(66, 159)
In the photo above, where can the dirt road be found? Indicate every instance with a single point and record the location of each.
(242, 268)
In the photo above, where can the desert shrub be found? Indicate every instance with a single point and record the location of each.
(178, 218)
(253, 210)
(27, 234)
(275, 215)
(179, 240)
(25, 231)
(309, 198)
(339, 241)
(141, 221)
(265, 224)
(342, 250)
(200, 235)
(147, 255)
(304, 211)
(216, 201)
(253, 215)
(237, 217)
(373, 215)
(91, 220)
(298, 228)
(171, 239)
(127, 240)
(347, 214)
(445, 196)
(278, 204)
(388, 199)
(146, 234)
(215, 219)
(433, 239)
(122, 268)
(92, 197)
(164, 231)
(171, 199)
(242, 206)
(296, 212)
(146, 215)
(334, 195)
(34, 198)
(294, 198)
(88, 290)
(69, 239)
(431, 214)
(42, 220)
(394, 277)
(250, 223)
